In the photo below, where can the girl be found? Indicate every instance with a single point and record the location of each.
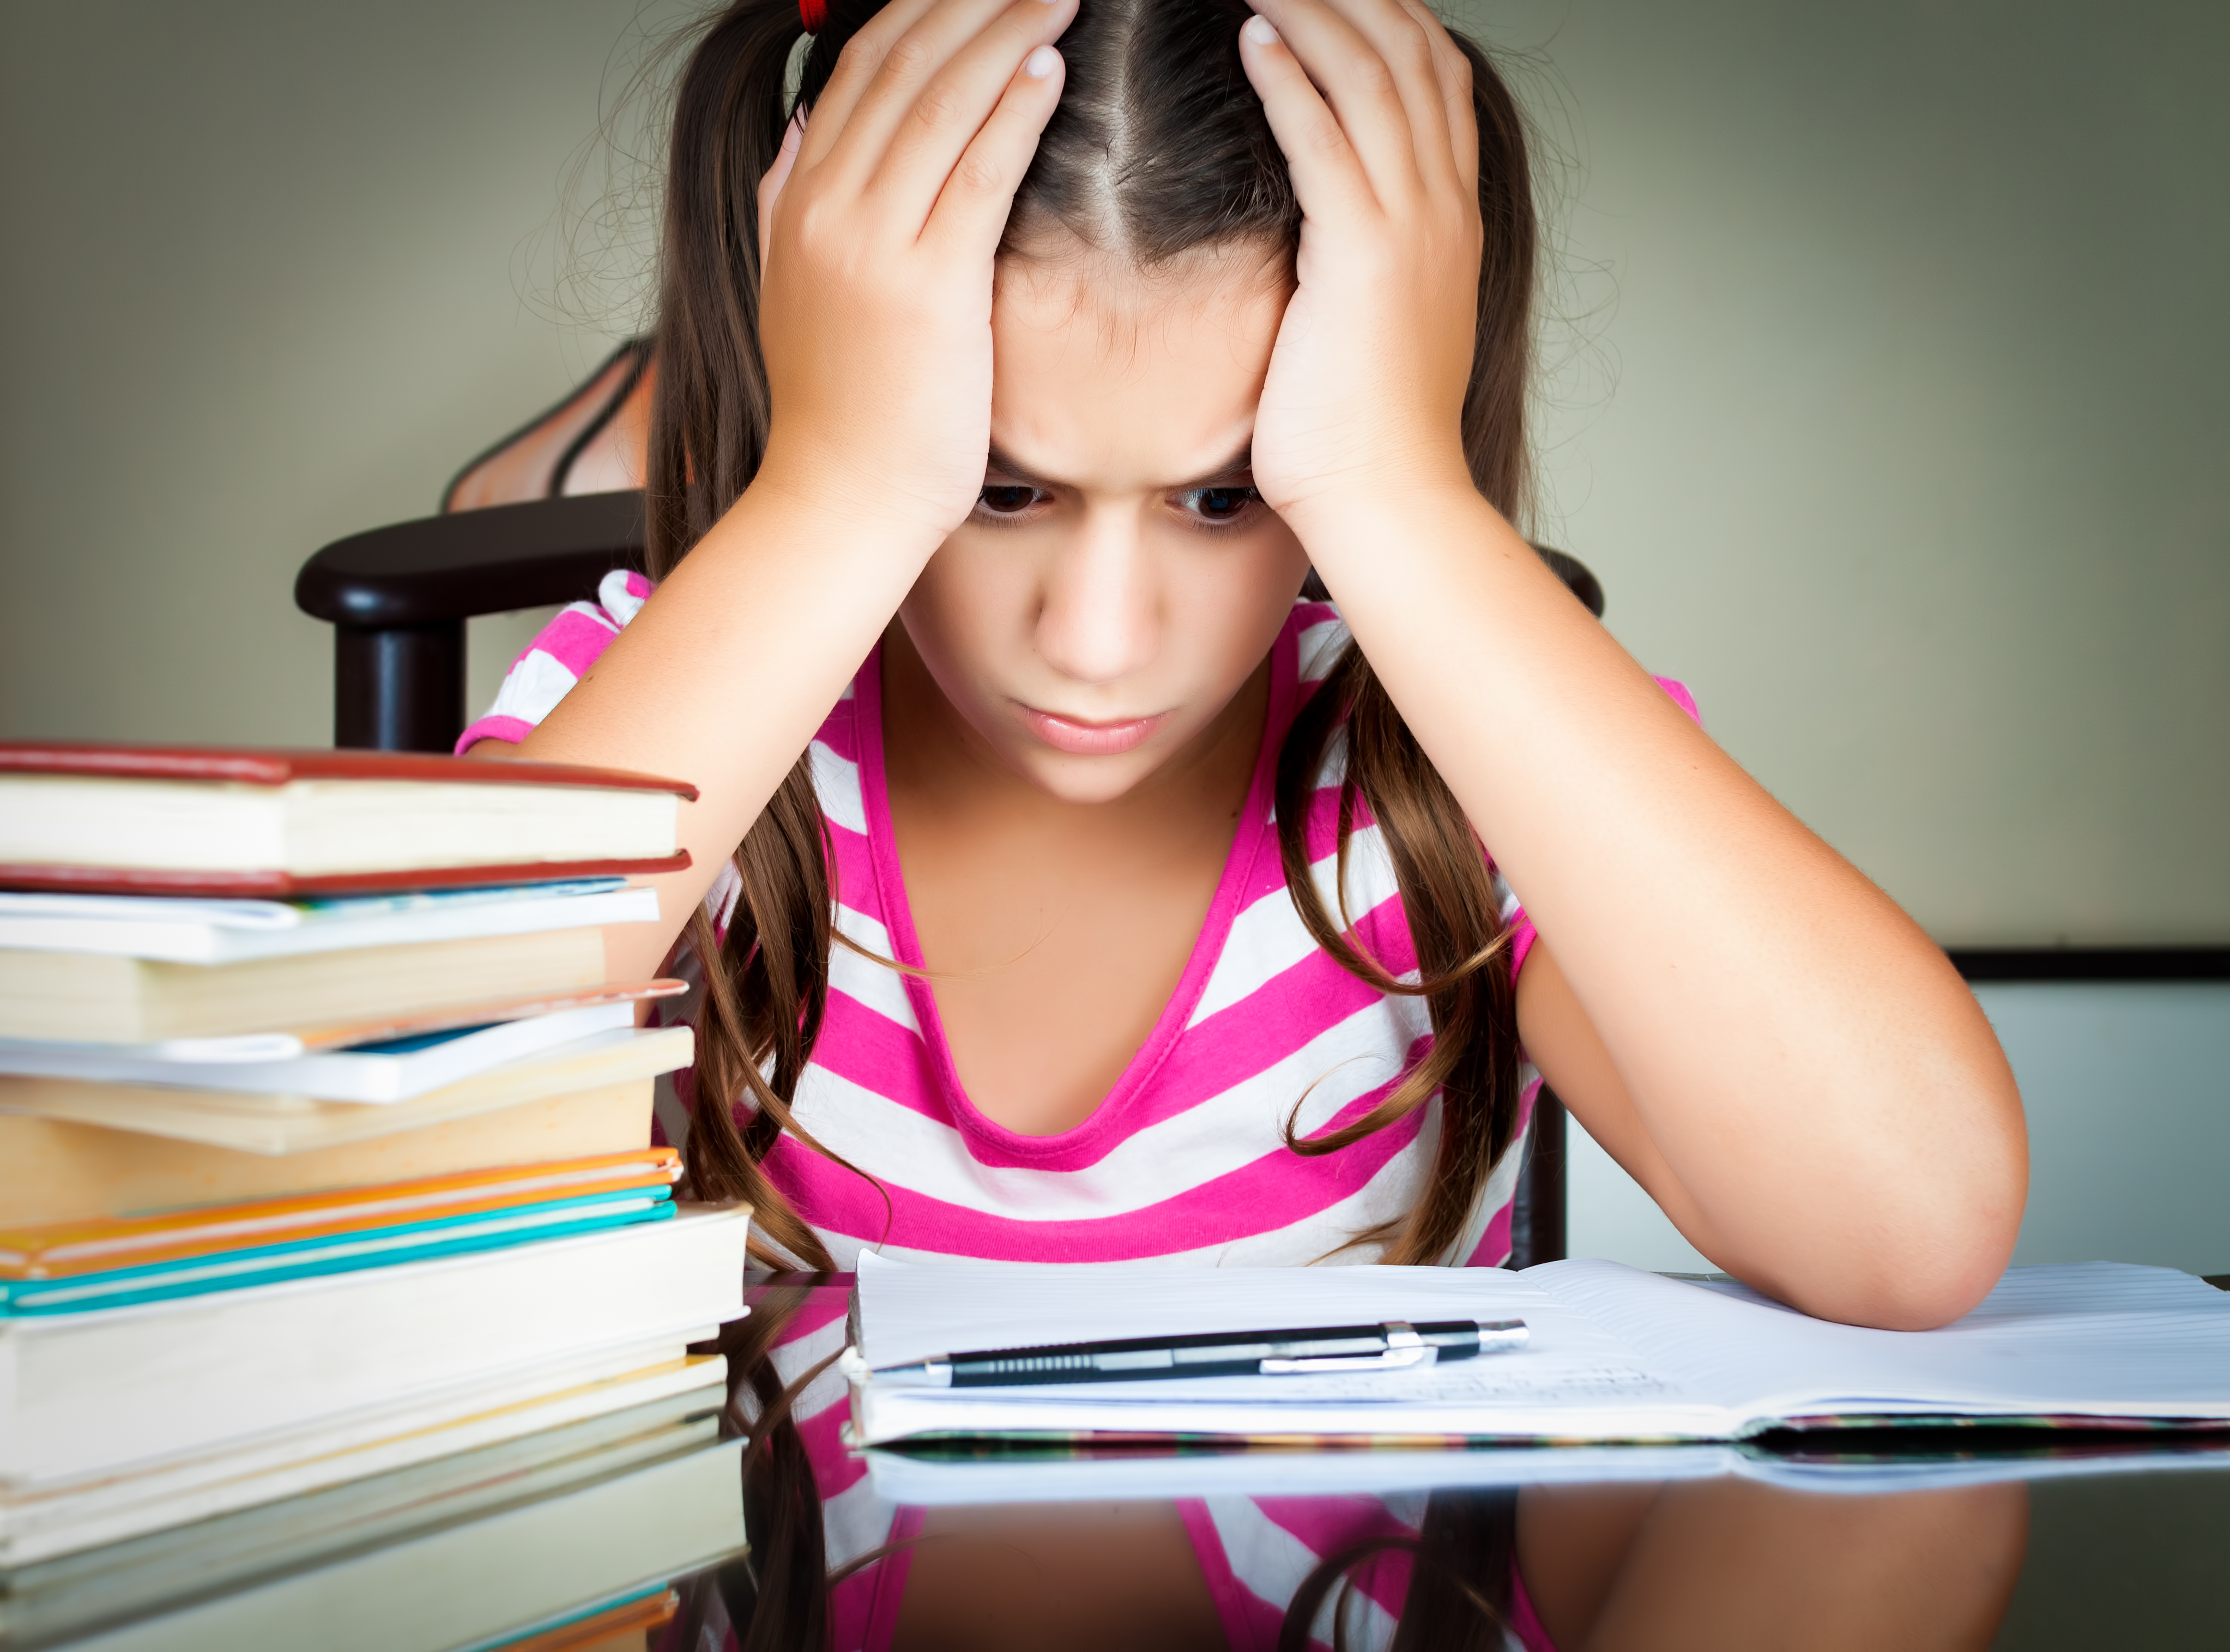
(1069, 886)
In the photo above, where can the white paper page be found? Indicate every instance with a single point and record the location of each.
(1570, 1377)
(223, 931)
(371, 1076)
(2096, 1339)
(213, 912)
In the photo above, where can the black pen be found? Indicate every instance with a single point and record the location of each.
(1394, 1345)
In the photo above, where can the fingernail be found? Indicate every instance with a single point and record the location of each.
(1261, 30)
(1041, 62)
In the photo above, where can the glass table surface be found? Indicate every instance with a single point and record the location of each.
(692, 1526)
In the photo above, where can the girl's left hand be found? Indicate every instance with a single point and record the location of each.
(1372, 102)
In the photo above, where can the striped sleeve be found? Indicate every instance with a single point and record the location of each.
(557, 657)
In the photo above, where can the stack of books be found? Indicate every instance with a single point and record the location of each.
(324, 1138)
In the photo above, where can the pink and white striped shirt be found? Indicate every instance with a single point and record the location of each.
(1182, 1161)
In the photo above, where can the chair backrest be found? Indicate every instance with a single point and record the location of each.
(593, 441)
(521, 528)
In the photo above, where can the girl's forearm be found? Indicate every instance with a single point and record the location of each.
(724, 677)
(1819, 1099)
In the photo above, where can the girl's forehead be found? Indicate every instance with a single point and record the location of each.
(1148, 401)
(1111, 306)
(1107, 376)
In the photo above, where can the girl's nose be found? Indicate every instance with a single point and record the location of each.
(1100, 615)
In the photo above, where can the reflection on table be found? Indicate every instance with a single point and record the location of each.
(628, 1535)
(1905, 1538)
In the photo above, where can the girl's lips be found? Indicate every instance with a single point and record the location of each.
(1082, 739)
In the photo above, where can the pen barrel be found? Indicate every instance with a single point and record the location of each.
(979, 1371)
(988, 1371)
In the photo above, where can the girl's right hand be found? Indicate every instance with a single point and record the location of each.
(878, 222)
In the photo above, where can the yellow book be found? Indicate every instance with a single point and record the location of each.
(59, 1250)
(52, 1170)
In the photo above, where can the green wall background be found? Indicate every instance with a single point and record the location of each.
(1889, 387)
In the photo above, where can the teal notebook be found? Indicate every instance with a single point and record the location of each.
(337, 1253)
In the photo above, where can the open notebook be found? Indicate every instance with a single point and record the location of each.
(1615, 1354)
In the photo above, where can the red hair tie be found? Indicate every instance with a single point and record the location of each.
(812, 14)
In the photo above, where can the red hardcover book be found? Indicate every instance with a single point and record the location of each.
(212, 820)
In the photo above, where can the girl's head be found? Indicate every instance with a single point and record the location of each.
(1119, 580)
(1118, 583)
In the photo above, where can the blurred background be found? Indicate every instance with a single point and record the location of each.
(1887, 390)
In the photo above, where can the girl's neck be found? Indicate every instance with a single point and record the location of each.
(1055, 932)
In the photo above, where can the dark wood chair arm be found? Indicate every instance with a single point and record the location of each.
(399, 598)
(473, 562)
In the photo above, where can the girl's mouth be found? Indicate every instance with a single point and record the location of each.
(1082, 739)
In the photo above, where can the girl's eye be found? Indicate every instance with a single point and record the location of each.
(1219, 504)
(1007, 498)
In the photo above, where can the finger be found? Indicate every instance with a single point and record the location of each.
(961, 100)
(911, 85)
(857, 65)
(1328, 176)
(1402, 32)
(1361, 88)
(979, 190)
(1453, 70)
(785, 161)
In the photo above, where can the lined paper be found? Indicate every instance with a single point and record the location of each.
(2100, 1339)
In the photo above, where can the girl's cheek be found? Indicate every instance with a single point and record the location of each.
(968, 611)
(1250, 596)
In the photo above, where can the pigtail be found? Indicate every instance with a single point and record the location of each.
(1494, 411)
(766, 982)
(710, 415)
(1447, 895)
(1448, 887)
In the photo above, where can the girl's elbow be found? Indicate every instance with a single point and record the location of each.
(1953, 1253)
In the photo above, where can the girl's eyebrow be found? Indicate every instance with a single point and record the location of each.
(1232, 473)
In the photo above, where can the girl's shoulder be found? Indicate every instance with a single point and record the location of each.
(561, 652)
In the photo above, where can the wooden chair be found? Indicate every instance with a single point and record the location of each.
(539, 518)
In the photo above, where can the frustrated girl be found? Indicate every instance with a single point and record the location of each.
(1154, 803)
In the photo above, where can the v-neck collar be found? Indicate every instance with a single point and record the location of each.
(1108, 1119)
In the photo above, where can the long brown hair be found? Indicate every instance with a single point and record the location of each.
(1159, 147)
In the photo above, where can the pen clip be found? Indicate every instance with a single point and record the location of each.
(1405, 1351)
